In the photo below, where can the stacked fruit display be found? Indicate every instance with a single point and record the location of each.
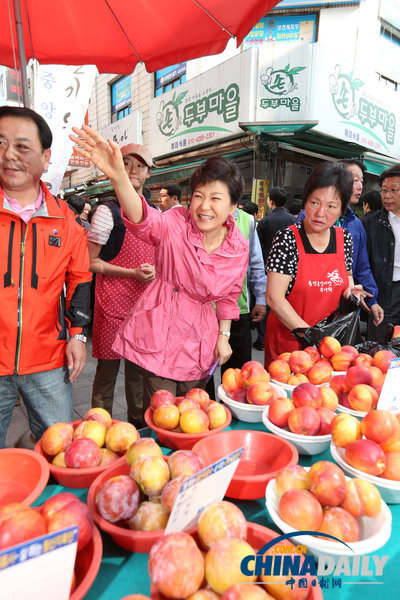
(250, 384)
(94, 441)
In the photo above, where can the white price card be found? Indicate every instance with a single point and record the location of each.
(208, 485)
(41, 568)
(389, 398)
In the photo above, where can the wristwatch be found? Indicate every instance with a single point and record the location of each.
(227, 333)
(80, 337)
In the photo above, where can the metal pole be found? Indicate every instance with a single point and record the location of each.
(21, 53)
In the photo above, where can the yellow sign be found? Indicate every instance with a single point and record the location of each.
(259, 195)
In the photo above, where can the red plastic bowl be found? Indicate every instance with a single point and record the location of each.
(75, 478)
(23, 475)
(87, 565)
(257, 536)
(134, 541)
(183, 441)
(263, 456)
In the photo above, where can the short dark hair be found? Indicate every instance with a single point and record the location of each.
(329, 174)
(294, 207)
(278, 195)
(219, 168)
(353, 161)
(373, 199)
(392, 172)
(173, 189)
(20, 112)
(77, 203)
(249, 207)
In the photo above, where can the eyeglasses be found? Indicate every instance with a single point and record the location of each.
(390, 192)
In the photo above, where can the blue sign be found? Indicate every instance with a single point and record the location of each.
(121, 93)
(164, 76)
(293, 28)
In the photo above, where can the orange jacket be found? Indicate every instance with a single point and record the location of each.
(36, 259)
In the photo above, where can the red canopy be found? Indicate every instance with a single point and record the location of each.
(116, 34)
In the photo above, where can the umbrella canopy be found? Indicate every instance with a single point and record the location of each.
(117, 34)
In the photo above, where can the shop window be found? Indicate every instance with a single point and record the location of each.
(169, 78)
(121, 98)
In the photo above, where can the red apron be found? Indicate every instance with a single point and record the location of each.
(320, 281)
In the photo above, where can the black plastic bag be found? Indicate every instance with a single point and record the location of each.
(343, 324)
(369, 347)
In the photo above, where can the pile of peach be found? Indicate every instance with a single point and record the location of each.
(309, 412)
(249, 384)
(359, 389)
(209, 567)
(95, 440)
(192, 413)
(322, 500)
(372, 446)
(317, 365)
(143, 500)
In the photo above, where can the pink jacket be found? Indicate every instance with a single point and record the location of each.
(172, 330)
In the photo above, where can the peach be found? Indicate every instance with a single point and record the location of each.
(363, 359)
(377, 376)
(358, 374)
(350, 350)
(75, 513)
(176, 565)
(300, 509)
(218, 520)
(279, 410)
(290, 478)
(366, 456)
(120, 436)
(187, 403)
(149, 517)
(279, 370)
(396, 332)
(194, 420)
(99, 414)
(216, 415)
(19, 523)
(118, 498)
(307, 394)
(276, 584)
(204, 595)
(170, 491)
(344, 400)
(245, 591)
(329, 398)
(232, 380)
(338, 384)
(300, 361)
(253, 372)
(59, 460)
(199, 395)
(341, 361)
(166, 416)
(362, 498)
(380, 426)
(304, 420)
(55, 503)
(363, 397)
(297, 379)
(326, 416)
(329, 346)
(345, 429)
(82, 453)
(392, 469)
(285, 356)
(239, 396)
(320, 372)
(94, 430)
(223, 561)
(151, 474)
(392, 444)
(327, 482)
(261, 393)
(314, 354)
(341, 524)
(184, 463)
(107, 456)
(382, 359)
(146, 446)
(161, 397)
(136, 597)
(56, 438)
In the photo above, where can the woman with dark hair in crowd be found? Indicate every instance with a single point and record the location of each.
(174, 333)
(309, 266)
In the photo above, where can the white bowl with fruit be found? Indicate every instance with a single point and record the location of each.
(356, 514)
(243, 411)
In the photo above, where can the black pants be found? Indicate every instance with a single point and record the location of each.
(392, 315)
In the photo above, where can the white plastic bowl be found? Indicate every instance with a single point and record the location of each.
(356, 413)
(250, 413)
(305, 444)
(374, 531)
(390, 490)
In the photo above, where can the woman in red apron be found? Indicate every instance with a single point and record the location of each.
(309, 265)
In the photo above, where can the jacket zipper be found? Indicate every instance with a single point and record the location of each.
(20, 294)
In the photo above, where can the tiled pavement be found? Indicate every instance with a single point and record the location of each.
(82, 393)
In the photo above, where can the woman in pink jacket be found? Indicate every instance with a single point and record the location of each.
(181, 324)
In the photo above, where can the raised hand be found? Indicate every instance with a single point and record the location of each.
(105, 155)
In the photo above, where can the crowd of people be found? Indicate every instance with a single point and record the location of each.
(177, 290)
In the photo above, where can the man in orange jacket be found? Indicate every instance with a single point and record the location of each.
(44, 280)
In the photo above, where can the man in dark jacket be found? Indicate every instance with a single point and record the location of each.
(383, 244)
(278, 219)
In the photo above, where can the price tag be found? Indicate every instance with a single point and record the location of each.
(208, 485)
(39, 569)
(390, 394)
